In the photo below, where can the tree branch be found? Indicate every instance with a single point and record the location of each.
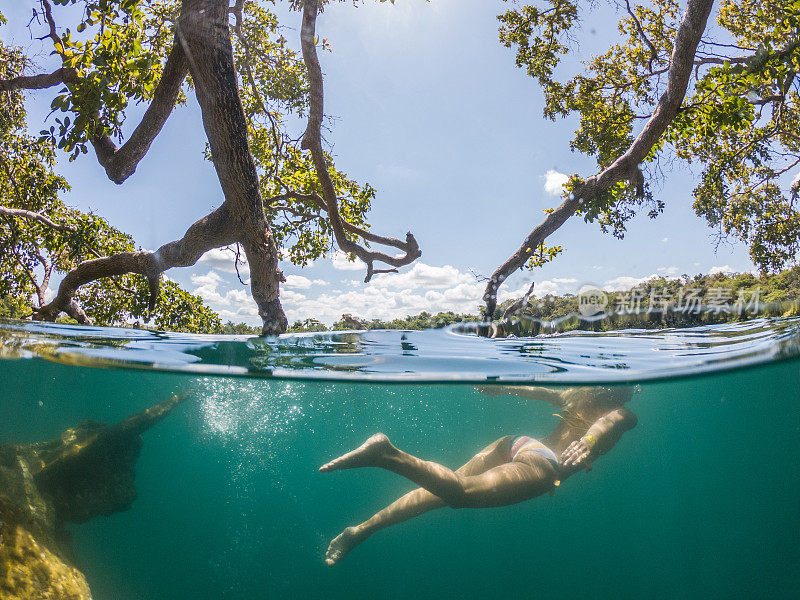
(40, 82)
(640, 31)
(207, 233)
(120, 163)
(202, 46)
(39, 289)
(236, 11)
(51, 24)
(204, 31)
(626, 167)
(312, 141)
(316, 199)
(34, 216)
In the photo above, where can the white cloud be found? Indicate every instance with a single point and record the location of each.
(341, 262)
(297, 282)
(665, 240)
(223, 259)
(424, 276)
(554, 182)
(232, 304)
(292, 296)
(211, 279)
(625, 283)
(390, 295)
(382, 303)
(726, 269)
(423, 288)
(543, 288)
(245, 312)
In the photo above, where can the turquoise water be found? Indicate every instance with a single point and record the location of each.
(700, 500)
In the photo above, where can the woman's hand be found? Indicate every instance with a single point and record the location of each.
(577, 453)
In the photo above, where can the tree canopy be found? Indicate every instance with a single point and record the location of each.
(724, 96)
(40, 236)
(683, 83)
(282, 194)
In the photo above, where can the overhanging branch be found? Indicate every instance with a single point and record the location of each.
(202, 45)
(312, 141)
(41, 81)
(626, 167)
(34, 216)
(207, 233)
(120, 163)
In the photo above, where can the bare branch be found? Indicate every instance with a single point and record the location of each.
(51, 24)
(519, 304)
(40, 82)
(120, 163)
(34, 216)
(626, 167)
(316, 199)
(207, 233)
(312, 141)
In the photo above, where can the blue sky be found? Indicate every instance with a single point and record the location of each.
(429, 108)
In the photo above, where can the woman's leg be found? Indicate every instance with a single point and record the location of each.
(420, 500)
(488, 479)
(415, 503)
(502, 485)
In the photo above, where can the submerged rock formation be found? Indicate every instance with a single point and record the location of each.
(86, 472)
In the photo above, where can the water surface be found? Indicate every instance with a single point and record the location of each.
(700, 500)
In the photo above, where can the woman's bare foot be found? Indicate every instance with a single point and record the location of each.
(342, 544)
(371, 453)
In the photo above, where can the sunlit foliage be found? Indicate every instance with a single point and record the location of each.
(740, 122)
(32, 251)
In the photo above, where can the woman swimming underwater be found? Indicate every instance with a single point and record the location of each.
(512, 469)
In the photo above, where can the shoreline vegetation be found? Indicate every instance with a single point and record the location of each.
(778, 295)
(767, 295)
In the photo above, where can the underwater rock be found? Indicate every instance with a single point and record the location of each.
(29, 568)
(88, 472)
(85, 472)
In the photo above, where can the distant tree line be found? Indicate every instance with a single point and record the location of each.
(777, 295)
(664, 302)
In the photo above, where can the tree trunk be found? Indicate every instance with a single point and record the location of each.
(205, 36)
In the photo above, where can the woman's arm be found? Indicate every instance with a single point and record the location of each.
(601, 436)
(524, 391)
